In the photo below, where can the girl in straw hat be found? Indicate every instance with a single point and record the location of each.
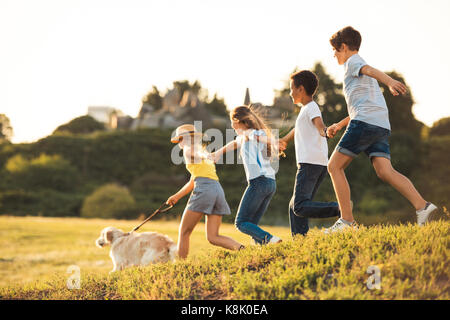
(207, 196)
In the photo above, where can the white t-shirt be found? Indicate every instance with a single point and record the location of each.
(310, 146)
(255, 164)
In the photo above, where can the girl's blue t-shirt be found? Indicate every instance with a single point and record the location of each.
(254, 156)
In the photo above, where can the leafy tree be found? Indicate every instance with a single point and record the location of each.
(153, 98)
(43, 172)
(400, 107)
(6, 130)
(81, 125)
(434, 171)
(217, 106)
(441, 127)
(110, 201)
(185, 85)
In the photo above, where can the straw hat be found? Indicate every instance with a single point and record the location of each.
(184, 130)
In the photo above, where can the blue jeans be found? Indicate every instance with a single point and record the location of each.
(307, 181)
(253, 205)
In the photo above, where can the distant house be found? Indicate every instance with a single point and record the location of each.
(107, 115)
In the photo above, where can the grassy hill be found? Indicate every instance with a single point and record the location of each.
(413, 264)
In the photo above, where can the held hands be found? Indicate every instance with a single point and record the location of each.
(214, 156)
(396, 87)
(332, 130)
(282, 145)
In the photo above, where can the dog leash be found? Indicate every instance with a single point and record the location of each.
(159, 210)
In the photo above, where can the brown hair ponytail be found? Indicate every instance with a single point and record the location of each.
(251, 118)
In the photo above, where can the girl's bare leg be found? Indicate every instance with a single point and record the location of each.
(212, 233)
(187, 225)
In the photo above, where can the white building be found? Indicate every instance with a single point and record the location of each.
(106, 115)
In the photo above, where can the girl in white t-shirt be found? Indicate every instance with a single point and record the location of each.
(257, 149)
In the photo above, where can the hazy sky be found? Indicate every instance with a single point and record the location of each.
(59, 57)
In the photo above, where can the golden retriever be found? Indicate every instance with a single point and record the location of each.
(136, 249)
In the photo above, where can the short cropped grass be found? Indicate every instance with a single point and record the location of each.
(412, 262)
(34, 248)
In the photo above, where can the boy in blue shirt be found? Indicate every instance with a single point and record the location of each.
(368, 129)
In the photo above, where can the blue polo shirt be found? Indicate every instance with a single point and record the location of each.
(365, 101)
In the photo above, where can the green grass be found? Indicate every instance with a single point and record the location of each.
(35, 248)
(413, 264)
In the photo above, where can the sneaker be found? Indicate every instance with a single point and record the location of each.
(274, 239)
(340, 225)
(424, 214)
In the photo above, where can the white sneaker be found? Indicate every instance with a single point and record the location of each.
(340, 225)
(274, 239)
(424, 214)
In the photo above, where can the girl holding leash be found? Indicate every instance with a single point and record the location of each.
(257, 148)
(207, 196)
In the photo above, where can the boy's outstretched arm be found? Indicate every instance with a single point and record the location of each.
(283, 142)
(396, 87)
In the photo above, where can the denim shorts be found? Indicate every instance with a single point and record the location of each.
(361, 136)
(208, 197)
